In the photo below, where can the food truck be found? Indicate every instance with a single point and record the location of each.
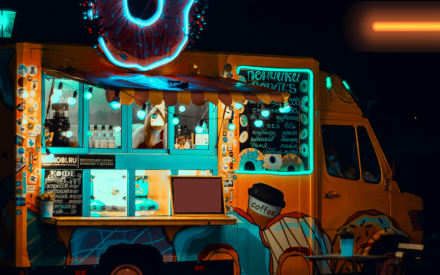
(164, 161)
(295, 164)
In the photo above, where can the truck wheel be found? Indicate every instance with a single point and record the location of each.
(126, 269)
(131, 260)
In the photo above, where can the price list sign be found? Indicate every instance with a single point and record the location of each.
(67, 187)
(282, 138)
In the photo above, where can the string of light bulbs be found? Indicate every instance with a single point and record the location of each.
(115, 104)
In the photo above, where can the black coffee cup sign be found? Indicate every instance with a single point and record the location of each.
(282, 133)
(67, 187)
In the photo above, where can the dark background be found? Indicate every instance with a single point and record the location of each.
(393, 88)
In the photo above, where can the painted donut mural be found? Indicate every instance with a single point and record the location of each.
(140, 44)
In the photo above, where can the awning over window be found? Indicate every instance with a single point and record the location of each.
(157, 88)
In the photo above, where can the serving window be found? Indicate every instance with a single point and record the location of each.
(104, 127)
(109, 193)
(82, 121)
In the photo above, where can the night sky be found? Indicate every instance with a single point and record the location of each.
(405, 84)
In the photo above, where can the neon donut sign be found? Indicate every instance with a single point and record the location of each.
(144, 45)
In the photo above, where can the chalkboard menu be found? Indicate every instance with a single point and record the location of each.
(67, 187)
(281, 143)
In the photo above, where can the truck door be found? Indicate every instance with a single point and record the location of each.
(352, 179)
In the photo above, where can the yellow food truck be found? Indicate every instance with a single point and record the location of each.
(214, 162)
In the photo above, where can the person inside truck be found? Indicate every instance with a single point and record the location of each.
(332, 162)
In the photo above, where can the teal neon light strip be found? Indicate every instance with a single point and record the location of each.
(158, 63)
(311, 119)
(140, 22)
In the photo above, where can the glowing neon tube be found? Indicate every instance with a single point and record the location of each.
(406, 26)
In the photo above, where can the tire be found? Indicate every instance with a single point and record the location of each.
(137, 259)
(385, 246)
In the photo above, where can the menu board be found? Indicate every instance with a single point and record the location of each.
(283, 136)
(67, 187)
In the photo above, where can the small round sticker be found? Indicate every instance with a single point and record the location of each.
(225, 139)
(34, 84)
(29, 78)
(226, 190)
(231, 154)
(18, 212)
(225, 167)
(22, 129)
(230, 134)
(233, 159)
(31, 110)
(21, 91)
(22, 82)
(234, 177)
(18, 191)
(33, 70)
(32, 93)
(30, 126)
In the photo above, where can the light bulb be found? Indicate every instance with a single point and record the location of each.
(69, 134)
(118, 128)
(115, 105)
(176, 120)
(25, 95)
(199, 128)
(182, 109)
(265, 113)
(57, 92)
(50, 157)
(238, 105)
(72, 101)
(231, 125)
(346, 85)
(116, 102)
(88, 95)
(89, 133)
(328, 82)
(258, 123)
(141, 114)
(55, 99)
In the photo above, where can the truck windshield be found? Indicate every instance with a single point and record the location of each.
(341, 158)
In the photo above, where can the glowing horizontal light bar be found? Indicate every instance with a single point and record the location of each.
(160, 62)
(406, 26)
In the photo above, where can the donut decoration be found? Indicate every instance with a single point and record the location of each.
(272, 161)
(304, 119)
(303, 104)
(303, 134)
(304, 86)
(243, 120)
(340, 89)
(244, 136)
(304, 150)
(290, 160)
(144, 43)
(253, 156)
